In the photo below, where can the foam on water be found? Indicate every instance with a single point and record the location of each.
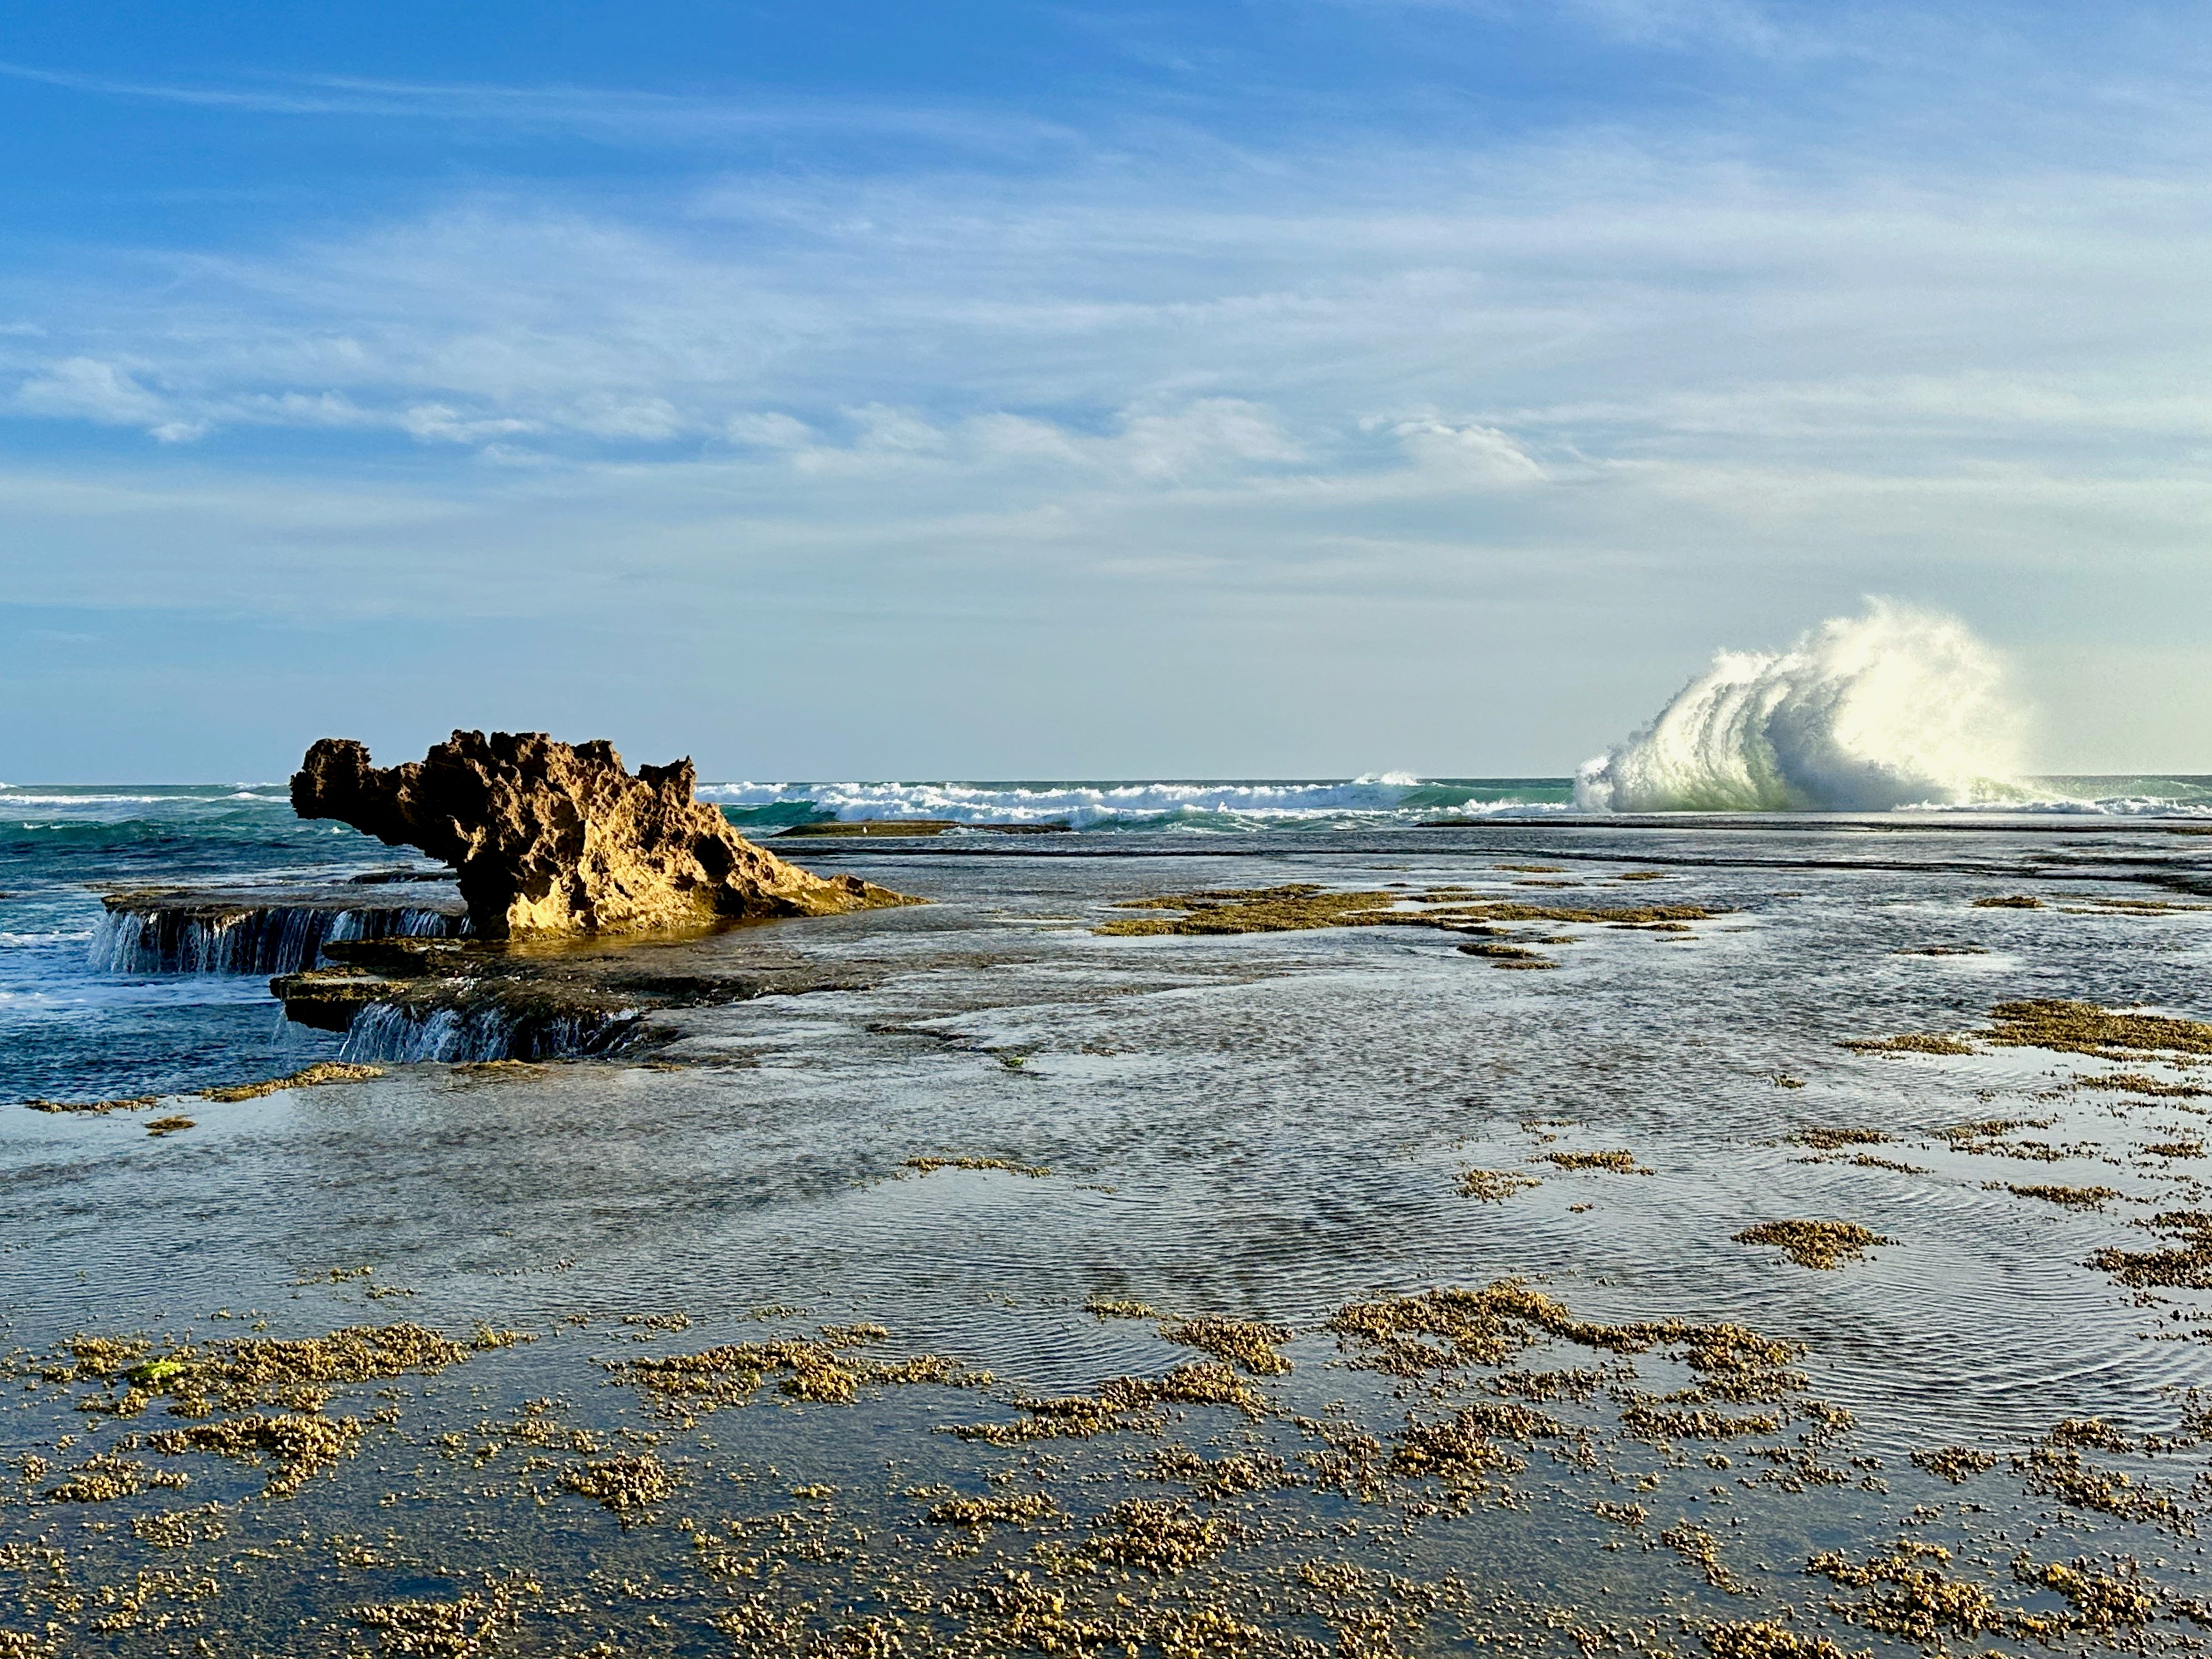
(1373, 800)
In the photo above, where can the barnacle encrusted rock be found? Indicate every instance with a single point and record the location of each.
(551, 838)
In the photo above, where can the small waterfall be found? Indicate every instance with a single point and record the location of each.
(262, 939)
(393, 1032)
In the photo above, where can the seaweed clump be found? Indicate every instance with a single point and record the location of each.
(1501, 955)
(626, 1486)
(1157, 1535)
(2139, 1083)
(2186, 1264)
(2077, 1198)
(1956, 1464)
(1441, 1329)
(1909, 1595)
(2083, 1028)
(827, 1371)
(296, 1446)
(2101, 1601)
(1762, 1638)
(1494, 1185)
(1020, 1508)
(322, 1071)
(1911, 1042)
(1619, 1161)
(1299, 906)
(106, 1476)
(1823, 1244)
(1248, 1344)
(1294, 906)
(1107, 1307)
(1463, 1449)
(1121, 1403)
(468, 1626)
(2055, 1468)
(1832, 1140)
(930, 1166)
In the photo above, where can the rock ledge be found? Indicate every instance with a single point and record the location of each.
(550, 838)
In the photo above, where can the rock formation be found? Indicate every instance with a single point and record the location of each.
(551, 839)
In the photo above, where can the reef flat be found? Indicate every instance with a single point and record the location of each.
(1271, 1277)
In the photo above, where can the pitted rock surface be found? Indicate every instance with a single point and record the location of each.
(550, 838)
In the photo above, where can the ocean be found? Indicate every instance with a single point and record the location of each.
(1667, 1233)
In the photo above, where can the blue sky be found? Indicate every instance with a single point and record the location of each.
(1297, 387)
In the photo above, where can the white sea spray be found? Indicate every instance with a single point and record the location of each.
(1897, 707)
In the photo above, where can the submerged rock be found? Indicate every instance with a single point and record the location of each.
(550, 838)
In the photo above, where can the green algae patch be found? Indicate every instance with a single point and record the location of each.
(2010, 902)
(1822, 1244)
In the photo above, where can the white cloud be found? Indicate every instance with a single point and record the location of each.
(86, 389)
(1617, 392)
(1473, 451)
(768, 429)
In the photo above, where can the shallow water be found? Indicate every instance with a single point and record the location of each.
(1266, 1127)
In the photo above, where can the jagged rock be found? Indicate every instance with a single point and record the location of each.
(553, 839)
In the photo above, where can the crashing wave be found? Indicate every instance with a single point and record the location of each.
(1375, 801)
(1898, 708)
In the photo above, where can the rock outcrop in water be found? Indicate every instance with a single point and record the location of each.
(554, 839)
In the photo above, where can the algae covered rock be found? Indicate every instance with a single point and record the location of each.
(555, 838)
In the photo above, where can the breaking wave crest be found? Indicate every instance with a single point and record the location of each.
(1898, 708)
(1379, 800)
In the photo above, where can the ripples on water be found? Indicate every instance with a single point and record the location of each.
(1266, 1127)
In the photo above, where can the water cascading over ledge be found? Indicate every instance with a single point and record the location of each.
(280, 931)
(398, 1033)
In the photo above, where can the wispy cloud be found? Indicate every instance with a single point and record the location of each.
(1628, 382)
